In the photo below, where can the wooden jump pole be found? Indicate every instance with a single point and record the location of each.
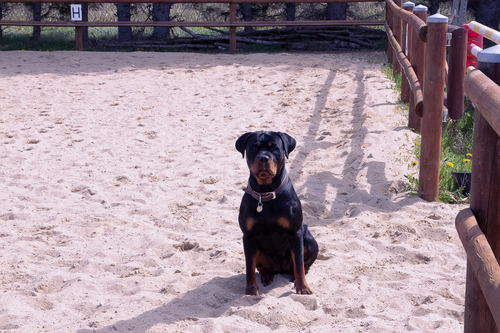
(435, 63)
(485, 180)
(396, 30)
(405, 46)
(417, 51)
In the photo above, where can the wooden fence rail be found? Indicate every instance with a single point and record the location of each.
(482, 263)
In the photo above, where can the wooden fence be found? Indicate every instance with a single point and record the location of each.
(418, 51)
(479, 225)
(232, 24)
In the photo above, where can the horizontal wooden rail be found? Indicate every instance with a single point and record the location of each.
(185, 1)
(481, 258)
(408, 70)
(485, 94)
(191, 24)
(417, 24)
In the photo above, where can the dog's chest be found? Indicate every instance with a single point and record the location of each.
(273, 241)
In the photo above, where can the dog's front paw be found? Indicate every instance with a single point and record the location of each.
(303, 288)
(266, 279)
(252, 290)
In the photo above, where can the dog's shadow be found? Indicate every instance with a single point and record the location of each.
(211, 300)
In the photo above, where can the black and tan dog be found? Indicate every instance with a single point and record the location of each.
(274, 239)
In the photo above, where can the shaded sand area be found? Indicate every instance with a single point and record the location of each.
(121, 186)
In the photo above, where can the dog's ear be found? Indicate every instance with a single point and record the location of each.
(288, 143)
(242, 142)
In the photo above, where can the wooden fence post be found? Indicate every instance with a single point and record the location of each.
(232, 30)
(405, 46)
(396, 30)
(418, 63)
(79, 38)
(388, 17)
(484, 199)
(435, 63)
(456, 61)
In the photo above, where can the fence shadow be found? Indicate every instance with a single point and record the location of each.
(345, 183)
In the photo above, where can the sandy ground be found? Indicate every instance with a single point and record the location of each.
(121, 186)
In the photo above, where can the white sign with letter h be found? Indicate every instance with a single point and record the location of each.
(76, 12)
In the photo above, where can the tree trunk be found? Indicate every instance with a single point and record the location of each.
(161, 12)
(123, 13)
(246, 10)
(434, 6)
(85, 18)
(1, 15)
(336, 11)
(291, 9)
(37, 16)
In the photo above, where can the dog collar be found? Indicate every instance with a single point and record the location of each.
(267, 196)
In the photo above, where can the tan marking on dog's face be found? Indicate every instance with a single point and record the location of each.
(284, 222)
(263, 172)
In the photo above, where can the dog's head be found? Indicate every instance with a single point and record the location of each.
(265, 152)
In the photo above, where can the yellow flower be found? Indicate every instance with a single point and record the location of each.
(466, 160)
(468, 155)
(413, 164)
(449, 164)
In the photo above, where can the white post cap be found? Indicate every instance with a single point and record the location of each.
(490, 55)
(437, 18)
(409, 4)
(420, 8)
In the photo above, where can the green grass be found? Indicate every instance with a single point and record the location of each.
(19, 38)
(456, 156)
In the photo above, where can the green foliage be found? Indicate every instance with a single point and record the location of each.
(59, 39)
(387, 69)
(456, 156)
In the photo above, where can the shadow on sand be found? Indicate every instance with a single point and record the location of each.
(345, 183)
(213, 299)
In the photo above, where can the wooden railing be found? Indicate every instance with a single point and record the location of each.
(425, 74)
(479, 225)
(232, 24)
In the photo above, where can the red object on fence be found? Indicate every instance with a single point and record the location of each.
(475, 38)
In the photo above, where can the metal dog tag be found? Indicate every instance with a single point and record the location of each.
(259, 205)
